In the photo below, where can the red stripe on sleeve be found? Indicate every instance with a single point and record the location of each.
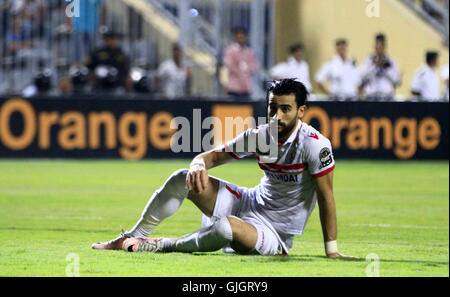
(323, 172)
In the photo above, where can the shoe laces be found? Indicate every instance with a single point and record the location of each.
(150, 246)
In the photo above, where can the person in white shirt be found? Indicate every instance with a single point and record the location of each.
(294, 67)
(173, 75)
(341, 73)
(425, 84)
(444, 76)
(379, 73)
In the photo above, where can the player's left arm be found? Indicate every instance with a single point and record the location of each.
(327, 212)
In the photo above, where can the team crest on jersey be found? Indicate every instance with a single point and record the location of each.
(325, 157)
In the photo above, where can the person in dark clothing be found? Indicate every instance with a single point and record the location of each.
(109, 65)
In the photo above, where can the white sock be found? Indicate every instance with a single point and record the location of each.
(164, 202)
(207, 239)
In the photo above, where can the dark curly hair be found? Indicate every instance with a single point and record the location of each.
(286, 87)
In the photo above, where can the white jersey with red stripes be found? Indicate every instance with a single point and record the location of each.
(286, 195)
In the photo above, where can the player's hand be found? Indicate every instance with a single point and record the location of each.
(340, 256)
(197, 178)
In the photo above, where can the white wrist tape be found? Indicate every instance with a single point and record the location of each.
(331, 247)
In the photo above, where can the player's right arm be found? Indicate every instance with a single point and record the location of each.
(197, 177)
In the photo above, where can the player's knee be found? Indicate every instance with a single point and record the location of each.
(179, 176)
(216, 236)
(180, 173)
(222, 228)
(176, 183)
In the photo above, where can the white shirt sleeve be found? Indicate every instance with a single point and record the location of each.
(319, 155)
(277, 72)
(445, 73)
(323, 74)
(417, 82)
(393, 73)
(363, 69)
(162, 70)
(307, 82)
(240, 147)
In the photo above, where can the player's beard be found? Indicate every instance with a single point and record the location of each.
(286, 129)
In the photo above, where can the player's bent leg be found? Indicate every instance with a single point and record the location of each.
(207, 239)
(243, 237)
(164, 203)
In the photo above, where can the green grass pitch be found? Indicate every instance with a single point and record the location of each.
(51, 209)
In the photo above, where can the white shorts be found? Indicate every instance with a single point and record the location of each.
(238, 201)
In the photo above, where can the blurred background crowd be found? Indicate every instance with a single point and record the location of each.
(220, 48)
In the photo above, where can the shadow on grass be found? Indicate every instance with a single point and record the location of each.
(313, 258)
(279, 258)
(248, 258)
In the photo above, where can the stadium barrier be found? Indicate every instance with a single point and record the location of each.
(137, 128)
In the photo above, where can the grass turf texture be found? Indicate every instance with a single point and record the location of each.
(50, 209)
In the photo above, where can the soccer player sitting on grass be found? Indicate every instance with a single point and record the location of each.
(261, 220)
